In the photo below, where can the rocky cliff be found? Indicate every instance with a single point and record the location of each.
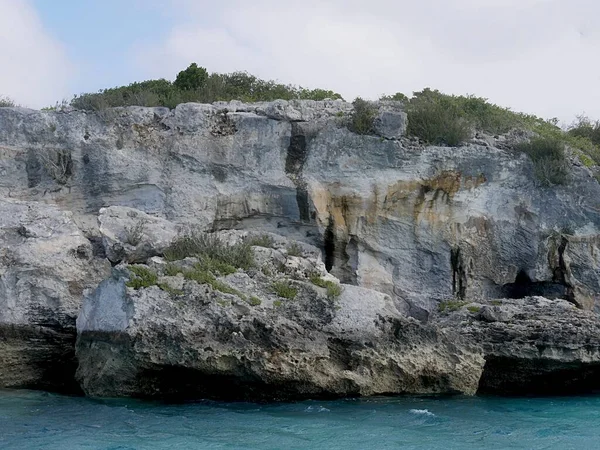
(412, 224)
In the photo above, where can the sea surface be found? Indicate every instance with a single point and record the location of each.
(38, 420)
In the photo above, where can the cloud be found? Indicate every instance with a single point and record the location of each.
(538, 56)
(35, 70)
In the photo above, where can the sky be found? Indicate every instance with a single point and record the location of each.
(536, 56)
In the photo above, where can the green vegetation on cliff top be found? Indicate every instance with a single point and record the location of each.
(433, 117)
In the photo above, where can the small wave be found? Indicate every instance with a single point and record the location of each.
(316, 409)
(423, 412)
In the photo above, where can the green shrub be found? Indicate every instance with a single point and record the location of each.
(362, 118)
(6, 102)
(194, 84)
(294, 249)
(254, 301)
(586, 128)
(135, 233)
(548, 157)
(283, 289)
(264, 240)
(172, 270)
(212, 252)
(191, 79)
(586, 160)
(334, 290)
(201, 275)
(143, 277)
(473, 309)
(277, 303)
(437, 120)
(398, 97)
(450, 305)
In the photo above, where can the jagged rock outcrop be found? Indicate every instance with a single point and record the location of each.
(532, 345)
(46, 266)
(214, 342)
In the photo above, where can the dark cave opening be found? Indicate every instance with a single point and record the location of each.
(523, 287)
(329, 245)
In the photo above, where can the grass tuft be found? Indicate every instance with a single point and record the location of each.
(284, 290)
(143, 277)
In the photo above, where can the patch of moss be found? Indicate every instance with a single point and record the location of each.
(277, 303)
(473, 309)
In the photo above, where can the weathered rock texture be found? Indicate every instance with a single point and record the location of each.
(533, 345)
(418, 224)
(46, 265)
(203, 343)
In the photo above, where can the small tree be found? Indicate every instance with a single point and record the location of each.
(363, 117)
(192, 78)
(6, 102)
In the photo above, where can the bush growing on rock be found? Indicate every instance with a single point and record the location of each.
(211, 251)
(363, 117)
(334, 290)
(195, 84)
(143, 277)
(6, 102)
(437, 120)
(284, 289)
(192, 78)
(294, 249)
(549, 162)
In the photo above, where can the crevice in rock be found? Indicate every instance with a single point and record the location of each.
(459, 276)
(294, 164)
(329, 244)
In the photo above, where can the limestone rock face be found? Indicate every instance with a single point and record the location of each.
(532, 345)
(133, 236)
(46, 266)
(408, 225)
(201, 342)
(420, 224)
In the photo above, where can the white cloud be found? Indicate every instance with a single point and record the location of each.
(538, 56)
(34, 68)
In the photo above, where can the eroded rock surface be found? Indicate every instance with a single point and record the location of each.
(408, 225)
(200, 342)
(46, 266)
(420, 224)
(532, 345)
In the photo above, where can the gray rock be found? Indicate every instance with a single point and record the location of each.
(203, 343)
(133, 236)
(46, 266)
(420, 224)
(533, 346)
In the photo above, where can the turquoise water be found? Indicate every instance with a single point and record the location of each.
(37, 420)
